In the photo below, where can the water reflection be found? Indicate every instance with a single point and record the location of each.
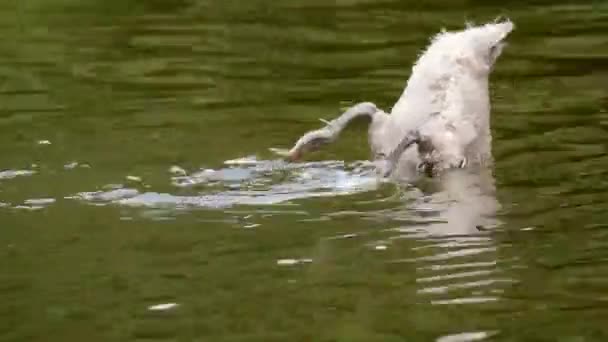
(459, 259)
(464, 203)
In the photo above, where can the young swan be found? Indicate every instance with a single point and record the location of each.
(444, 109)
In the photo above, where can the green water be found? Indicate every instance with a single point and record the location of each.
(103, 102)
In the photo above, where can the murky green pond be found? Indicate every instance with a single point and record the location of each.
(139, 200)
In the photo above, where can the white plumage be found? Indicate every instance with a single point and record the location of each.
(442, 119)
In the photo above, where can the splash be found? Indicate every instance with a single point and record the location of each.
(247, 181)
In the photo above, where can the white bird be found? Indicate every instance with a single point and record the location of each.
(444, 109)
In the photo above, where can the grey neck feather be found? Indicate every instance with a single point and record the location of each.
(314, 139)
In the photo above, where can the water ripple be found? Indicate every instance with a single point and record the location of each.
(248, 181)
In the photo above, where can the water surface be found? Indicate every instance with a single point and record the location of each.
(139, 199)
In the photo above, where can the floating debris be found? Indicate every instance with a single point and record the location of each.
(467, 336)
(342, 236)
(291, 262)
(71, 165)
(242, 161)
(163, 307)
(134, 178)
(44, 142)
(176, 170)
(39, 201)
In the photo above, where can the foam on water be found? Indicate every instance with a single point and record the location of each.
(8, 174)
(247, 181)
